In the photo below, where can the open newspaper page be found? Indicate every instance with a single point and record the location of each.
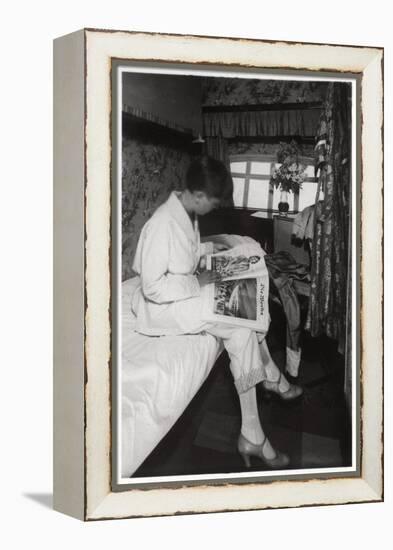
(241, 296)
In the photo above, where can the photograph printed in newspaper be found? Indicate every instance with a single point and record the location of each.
(241, 296)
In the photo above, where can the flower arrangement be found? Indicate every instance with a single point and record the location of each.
(291, 174)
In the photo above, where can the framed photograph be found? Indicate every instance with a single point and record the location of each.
(218, 340)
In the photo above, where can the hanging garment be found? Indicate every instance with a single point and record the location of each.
(303, 224)
(283, 270)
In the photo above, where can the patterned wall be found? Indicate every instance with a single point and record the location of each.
(150, 172)
(238, 91)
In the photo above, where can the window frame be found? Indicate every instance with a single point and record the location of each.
(248, 158)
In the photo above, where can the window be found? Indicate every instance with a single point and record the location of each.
(252, 187)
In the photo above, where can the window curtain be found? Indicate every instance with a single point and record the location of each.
(294, 122)
(331, 246)
(217, 147)
(219, 127)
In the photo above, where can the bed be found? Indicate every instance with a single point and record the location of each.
(159, 376)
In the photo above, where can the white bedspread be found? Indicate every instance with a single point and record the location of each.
(159, 377)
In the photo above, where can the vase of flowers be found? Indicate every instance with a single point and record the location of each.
(290, 175)
(283, 205)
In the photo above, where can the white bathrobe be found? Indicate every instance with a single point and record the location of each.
(168, 252)
(168, 301)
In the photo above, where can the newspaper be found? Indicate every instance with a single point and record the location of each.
(241, 296)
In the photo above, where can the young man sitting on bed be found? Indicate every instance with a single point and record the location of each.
(168, 301)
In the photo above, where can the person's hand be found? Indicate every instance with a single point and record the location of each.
(202, 263)
(208, 277)
(218, 247)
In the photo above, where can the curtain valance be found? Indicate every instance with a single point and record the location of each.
(296, 122)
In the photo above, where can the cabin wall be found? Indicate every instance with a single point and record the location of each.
(240, 91)
(155, 158)
(177, 99)
(150, 172)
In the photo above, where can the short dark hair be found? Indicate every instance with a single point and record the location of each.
(210, 176)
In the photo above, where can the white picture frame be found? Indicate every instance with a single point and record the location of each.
(83, 63)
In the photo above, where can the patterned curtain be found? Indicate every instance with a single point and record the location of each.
(330, 250)
(219, 127)
(297, 122)
(217, 147)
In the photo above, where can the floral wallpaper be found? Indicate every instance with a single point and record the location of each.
(149, 174)
(237, 91)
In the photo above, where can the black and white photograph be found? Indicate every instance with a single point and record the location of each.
(197, 258)
(236, 275)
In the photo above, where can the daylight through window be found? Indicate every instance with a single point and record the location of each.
(252, 187)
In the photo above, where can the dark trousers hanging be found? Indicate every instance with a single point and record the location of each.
(283, 271)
